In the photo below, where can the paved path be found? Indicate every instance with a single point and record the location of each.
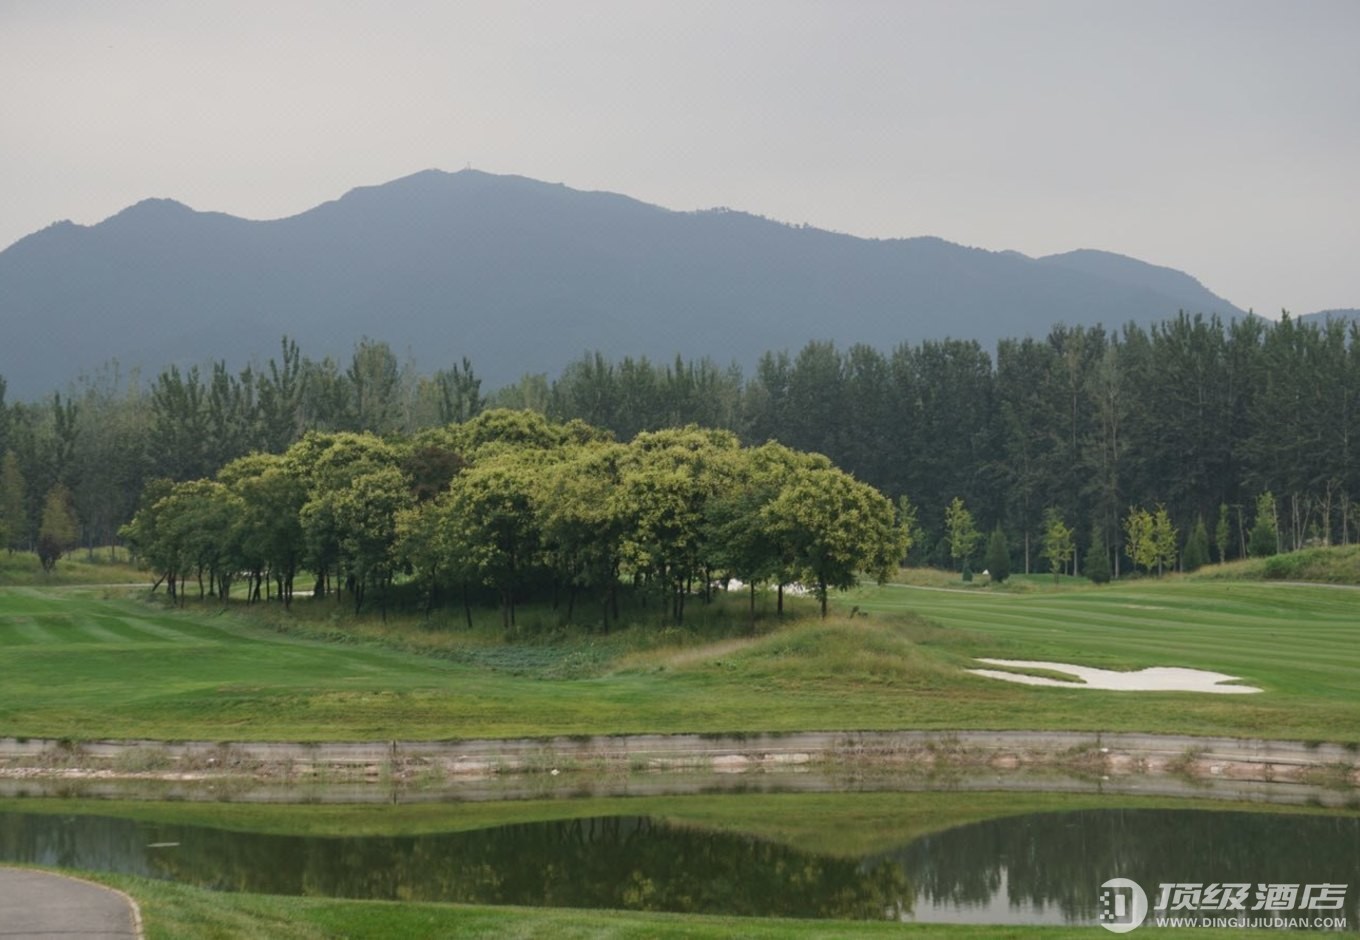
(38, 905)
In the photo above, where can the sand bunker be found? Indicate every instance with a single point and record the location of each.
(1154, 679)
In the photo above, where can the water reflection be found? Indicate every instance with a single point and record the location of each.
(1040, 868)
(1048, 867)
(612, 862)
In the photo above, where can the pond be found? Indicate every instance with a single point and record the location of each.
(1037, 868)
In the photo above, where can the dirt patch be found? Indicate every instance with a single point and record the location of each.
(709, 651)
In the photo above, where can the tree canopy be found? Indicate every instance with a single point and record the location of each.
(515, 504)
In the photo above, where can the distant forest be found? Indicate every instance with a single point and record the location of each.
(1196, 415)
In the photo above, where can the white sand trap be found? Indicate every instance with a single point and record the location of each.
(1153, 679)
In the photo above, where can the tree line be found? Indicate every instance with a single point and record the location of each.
(523, 507)
(1196, 416)
(1201, 424)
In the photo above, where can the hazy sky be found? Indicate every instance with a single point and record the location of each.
(1221, 138)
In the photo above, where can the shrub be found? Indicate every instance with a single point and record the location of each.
(1196, 547)
(1097, 564)
(998, 558)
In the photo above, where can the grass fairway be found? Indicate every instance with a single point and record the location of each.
(84, 664)
(1297, 642)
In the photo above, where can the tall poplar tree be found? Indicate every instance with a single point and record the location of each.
(1059, 543)
(13, 503)
(963, 533)
(59, 531)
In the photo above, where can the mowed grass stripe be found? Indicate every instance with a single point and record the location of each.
(140, 631)
(1081, 619)
(1192, 612)
(95, 630)
(1018, 612)
(1237, 598)
(1244, 630)
(23, 631)
(145, 628)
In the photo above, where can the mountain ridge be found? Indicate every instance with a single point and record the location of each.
(522, 276)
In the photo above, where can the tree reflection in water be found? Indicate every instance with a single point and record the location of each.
(1041, 867)
(609, 862)
(1058, 861)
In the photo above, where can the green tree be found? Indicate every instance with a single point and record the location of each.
(530, 393)
(963, 533)
(365, 513)
(422, 546)
(325, 396)
(110, 452)
(1222, 533)
(1096, 564)
(1264, 539)
(1162, 540)
(908, 517)
(1138, 538)
(836, 528)
(59, 531)
(179, 437)
(500, 428)
(270, 527)
(459, 393)
(492, 525)
(1059, 542)
(1027, 419)
(326, 464)
(998, 557)
(204, 518)
(584, 519)
(150, 536)
(747, 541)
(1106, 448)
(670, 478)
(280, 393)
(374, 380)
(13, 503)
(1196, 553)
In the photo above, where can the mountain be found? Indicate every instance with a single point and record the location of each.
(522, 276)
(1349, 315)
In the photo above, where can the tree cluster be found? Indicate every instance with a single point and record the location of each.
(512, 503)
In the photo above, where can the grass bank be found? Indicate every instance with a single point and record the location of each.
(89, 663)
(175, 912)
(1333, 565)
(100, 566)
